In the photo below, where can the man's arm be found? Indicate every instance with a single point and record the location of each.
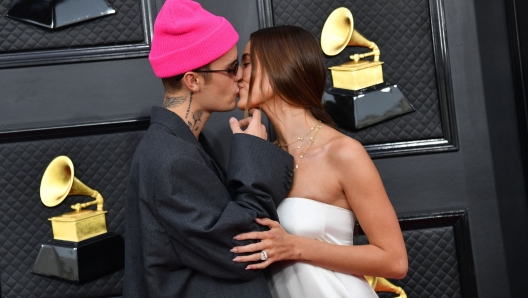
(202, 216)
(258, 165)
(251, 157)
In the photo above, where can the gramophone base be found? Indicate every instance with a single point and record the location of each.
(83, 261)
(80, 225)
(357, 75)
(56, 14)
(354, 110)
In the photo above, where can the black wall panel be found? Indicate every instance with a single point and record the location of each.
(16, 36)
(406, 50)
(502, 107)
(102, 162)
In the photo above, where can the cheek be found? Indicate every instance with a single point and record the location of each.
(246, 74)
(243, 97)
(260, 93)
(243, 93)
(266, 90)
(263, 91)
(256, 95)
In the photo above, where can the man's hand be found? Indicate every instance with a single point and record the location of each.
(253, 125)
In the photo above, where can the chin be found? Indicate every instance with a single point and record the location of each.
(241, 105)
(242, 102)
(231, 106)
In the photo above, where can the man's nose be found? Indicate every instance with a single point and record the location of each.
(238, 76)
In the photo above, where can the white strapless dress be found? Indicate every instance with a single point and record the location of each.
(323, 222)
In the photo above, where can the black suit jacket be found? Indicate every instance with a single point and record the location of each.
(182, 214)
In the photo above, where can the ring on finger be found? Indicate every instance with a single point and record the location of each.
(263, 255)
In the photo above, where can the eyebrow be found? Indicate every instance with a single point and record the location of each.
(245, 55)
(232, 62)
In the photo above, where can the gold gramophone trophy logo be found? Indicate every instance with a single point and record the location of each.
(58, 182)
(338, 32)
(360, 97)
(81, 249)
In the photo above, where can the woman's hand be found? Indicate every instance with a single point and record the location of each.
(277, 243)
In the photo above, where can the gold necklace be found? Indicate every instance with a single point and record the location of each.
(298, 139)
(310, 142)
(315, 129)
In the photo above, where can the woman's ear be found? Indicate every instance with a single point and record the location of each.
(193, 81)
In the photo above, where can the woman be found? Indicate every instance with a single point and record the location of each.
(334, 183)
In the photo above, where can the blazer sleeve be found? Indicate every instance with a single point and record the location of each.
(259, 167)
(201, 216)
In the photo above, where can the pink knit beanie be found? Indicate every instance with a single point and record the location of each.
(187, 37)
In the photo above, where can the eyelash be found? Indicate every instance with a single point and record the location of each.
(246, 64)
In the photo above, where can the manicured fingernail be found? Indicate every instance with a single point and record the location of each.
(237, 237)
(248, 267)
(237, 259)
(234, 249)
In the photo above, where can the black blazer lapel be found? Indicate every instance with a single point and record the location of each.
(178, 128)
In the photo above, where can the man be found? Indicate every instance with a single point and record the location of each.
(181, 213)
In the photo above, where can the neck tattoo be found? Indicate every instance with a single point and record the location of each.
(296, 114)
(197, 117)
(173, 102)
(189, 107)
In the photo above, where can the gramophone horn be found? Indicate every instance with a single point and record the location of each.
(338, 32)
(59, 181)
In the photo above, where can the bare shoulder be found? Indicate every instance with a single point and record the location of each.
(346, 151)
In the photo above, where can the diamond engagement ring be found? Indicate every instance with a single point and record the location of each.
(263, 255)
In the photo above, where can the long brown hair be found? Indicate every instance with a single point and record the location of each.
(291, 58)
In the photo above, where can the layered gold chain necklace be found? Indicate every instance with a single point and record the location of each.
(314, 130)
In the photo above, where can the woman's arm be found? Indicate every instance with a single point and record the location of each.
(385, 256)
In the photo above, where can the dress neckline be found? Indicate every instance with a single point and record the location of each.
(319, 202)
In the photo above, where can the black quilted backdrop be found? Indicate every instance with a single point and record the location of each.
(402, 31)
(124, 27)
(101, 162)
(433, 264)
